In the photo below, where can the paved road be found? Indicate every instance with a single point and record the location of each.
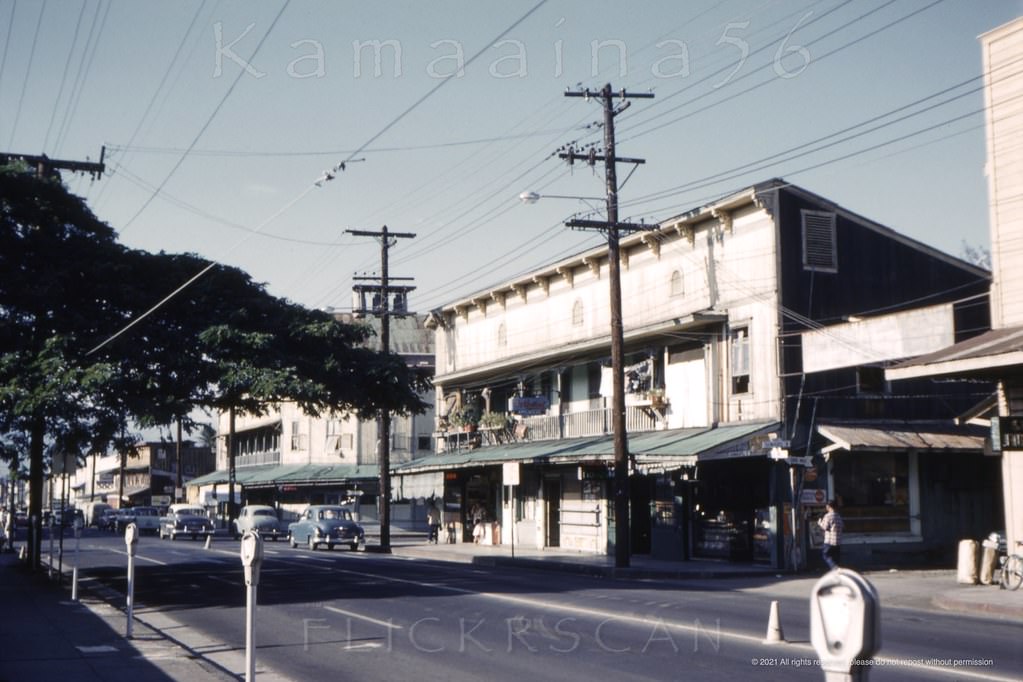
(345, 615)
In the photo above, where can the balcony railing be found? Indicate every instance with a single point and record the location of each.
(252, 459)
(553, 427)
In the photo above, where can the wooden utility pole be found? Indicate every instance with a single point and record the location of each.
(613, 228)
(387, 240)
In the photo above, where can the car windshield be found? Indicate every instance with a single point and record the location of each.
(145, 511)
(191, 511)
(264, 512)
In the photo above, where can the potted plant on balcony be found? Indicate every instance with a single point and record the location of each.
(494, 420)
(463, 418)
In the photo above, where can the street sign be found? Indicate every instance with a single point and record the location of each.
(510, 473)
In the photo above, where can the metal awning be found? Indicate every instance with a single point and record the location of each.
(900, 436)
(987, 355)
(664, 450)
(289, 474)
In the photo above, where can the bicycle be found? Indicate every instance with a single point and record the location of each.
(1010, 574)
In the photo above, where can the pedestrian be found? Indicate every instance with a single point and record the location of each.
(831, 524)
(433, 522)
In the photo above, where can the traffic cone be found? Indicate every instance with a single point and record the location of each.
(774, 633)
(209, 541)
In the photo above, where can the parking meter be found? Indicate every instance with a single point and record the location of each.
(845, 622)
(131, 538)
(252, 556)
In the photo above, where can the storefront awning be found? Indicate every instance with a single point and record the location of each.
(889, 436)
(663, 450)
(989, 355)
(289, 474)
(412, 486)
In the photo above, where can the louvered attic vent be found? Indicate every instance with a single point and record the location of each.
(819, 243)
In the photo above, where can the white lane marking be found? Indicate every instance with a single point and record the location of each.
(352, 614)
(139, 556)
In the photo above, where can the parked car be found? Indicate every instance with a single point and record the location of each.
(261, 518)
(185, 519)
(122, 517)
(146, 519)
(326, 525)
(107, 520)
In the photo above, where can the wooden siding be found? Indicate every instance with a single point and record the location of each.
(1003, 81)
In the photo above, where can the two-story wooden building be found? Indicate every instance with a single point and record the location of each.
(756, 328)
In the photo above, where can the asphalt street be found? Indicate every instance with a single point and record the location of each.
(359, 615)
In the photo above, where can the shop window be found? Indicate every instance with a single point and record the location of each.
(873, 491)
(740, 360)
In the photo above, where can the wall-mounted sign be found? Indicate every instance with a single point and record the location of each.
(529, 405)
(1010, 430)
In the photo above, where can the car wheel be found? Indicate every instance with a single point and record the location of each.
(195, 537)
(312, 543)
(354, 546)
(173, 537)
(291, 541)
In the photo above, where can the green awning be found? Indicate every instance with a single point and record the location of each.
(678, 447)
(291, 474)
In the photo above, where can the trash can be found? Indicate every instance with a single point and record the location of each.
(967, 567)
(988, 559)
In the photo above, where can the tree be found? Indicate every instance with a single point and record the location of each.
(68, 383)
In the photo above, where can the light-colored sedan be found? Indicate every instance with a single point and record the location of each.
(185, 519)
(326, 525)
(146, 519)
(261, 518)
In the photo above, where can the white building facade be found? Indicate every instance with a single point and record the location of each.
(714, 314)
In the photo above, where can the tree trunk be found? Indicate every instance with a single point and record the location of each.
(35, 491)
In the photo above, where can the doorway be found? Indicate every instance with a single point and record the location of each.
(552, 502)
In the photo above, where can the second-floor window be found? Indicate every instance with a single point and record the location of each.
(577, 313)
(740, 348)
(677, 284)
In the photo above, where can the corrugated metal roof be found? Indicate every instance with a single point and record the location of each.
(684, 445)
(983, 353)
(904, 436)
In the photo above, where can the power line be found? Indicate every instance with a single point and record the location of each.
(28, 73)
(63, 77)
(209, 120)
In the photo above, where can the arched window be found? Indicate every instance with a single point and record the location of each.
(502, 336)
(677, 287)
(577, 313)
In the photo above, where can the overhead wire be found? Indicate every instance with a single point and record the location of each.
(209, 120)
(327, 176)
(92, 42)
(63, 77)
(28, 75)
(7, 40)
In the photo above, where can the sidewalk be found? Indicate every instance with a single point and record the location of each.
(934, 589)
(46, 636)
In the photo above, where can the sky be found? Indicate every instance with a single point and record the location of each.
(220, 118)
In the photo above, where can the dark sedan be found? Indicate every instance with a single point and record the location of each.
(326, 525)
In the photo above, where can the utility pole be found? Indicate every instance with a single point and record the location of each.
(47, 167)
(387, 240)
(613, 228)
